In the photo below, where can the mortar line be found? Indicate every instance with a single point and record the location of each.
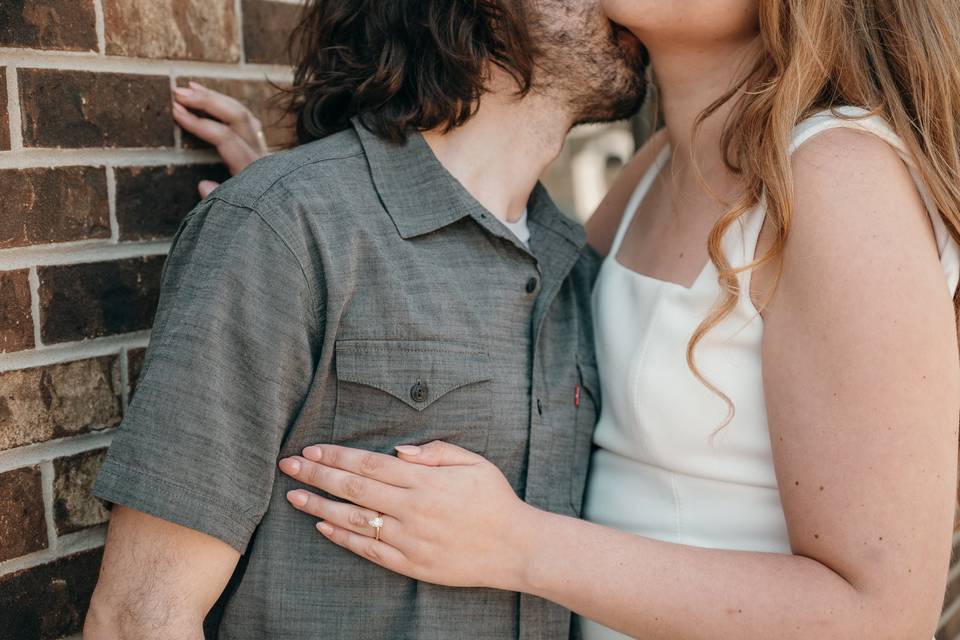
(238, 31)
(34, 280)
(81, 252)
(84, 540)
(112, 204)
(71, 351)
(14, 114)
(46, 482)
(124, 379)
(94, 61)
(137, 157)
(100, 26)
(41, 452)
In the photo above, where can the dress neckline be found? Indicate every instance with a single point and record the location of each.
(633, 205)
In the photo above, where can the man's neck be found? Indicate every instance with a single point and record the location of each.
(501, 152)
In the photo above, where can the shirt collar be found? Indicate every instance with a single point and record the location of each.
(421, 196)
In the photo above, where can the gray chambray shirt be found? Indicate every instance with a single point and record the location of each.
(350, 291)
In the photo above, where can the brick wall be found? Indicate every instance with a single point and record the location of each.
(94, 179)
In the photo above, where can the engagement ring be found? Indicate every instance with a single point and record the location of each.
(377, 524)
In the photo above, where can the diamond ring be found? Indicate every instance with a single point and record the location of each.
(377, 524)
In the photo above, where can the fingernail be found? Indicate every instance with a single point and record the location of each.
(313, 452)
(290, 465)
(179, 108)
(408, 449)
(195, 85)
(183, 91)
(298, 498)
(324, 528)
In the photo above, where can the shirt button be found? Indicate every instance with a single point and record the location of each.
(532, 285)
(419, 391)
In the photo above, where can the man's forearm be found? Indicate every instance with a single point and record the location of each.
(158, 580)
(139, 619)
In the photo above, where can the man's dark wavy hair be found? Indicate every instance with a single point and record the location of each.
(402, 65)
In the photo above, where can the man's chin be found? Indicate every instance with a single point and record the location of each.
(629, 43)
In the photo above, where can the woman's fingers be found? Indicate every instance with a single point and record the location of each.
(363, 463)
(206, 187)
(345, 515)
(438, 454)
(233, 149)
(376, 552)
(225, 109)
(367, 492)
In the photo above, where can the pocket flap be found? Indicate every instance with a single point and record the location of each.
(418, 373)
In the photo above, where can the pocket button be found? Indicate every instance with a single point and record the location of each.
(419, 392)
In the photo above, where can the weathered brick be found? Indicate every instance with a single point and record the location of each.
(53, 205)
(23, 526)
(16, 318)
(102, 298)
(49, 601)
(59, 400)
(4, 117)
(135, 359)
(260, 97)
(48, 24)
(151, 201)
(74, 109)
(74, 508)
(266, 30)
(181, 29)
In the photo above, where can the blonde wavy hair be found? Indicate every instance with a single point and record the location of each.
(898, 58)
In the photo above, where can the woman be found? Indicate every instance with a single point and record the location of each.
(777, 452)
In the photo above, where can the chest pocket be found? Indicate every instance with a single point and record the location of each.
(392, 392)
(588, 411)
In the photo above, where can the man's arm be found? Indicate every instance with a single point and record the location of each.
(158, 580)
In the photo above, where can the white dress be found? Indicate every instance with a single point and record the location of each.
(656, 471)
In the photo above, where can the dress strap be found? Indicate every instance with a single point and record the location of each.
(638, 195)
(741, 248)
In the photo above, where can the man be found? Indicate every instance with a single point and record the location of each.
(372, 288)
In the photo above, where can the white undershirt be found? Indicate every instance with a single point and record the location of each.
(520, 229)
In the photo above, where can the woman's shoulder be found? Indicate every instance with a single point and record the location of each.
(603, 224)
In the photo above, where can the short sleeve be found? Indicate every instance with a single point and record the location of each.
(229, 364)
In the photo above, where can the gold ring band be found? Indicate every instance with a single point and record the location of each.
(377, 524)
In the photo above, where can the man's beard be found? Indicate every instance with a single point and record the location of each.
(596, 68)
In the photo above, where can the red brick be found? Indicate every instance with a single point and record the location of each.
(59, 400)
(4, 117)
(49, 601)
(76, 109)
(263, 99)
(151, 201)
(74, 508)
(53, 205)
(266, 30)
(83, 301)
(180, 29)
(23, 526)
(48, 24)
(16, 318)
(134, 368)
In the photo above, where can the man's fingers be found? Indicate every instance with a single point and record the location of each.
(438, 454)
(379, 553)
(344, 515)
(363, 463)
(362, 491)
